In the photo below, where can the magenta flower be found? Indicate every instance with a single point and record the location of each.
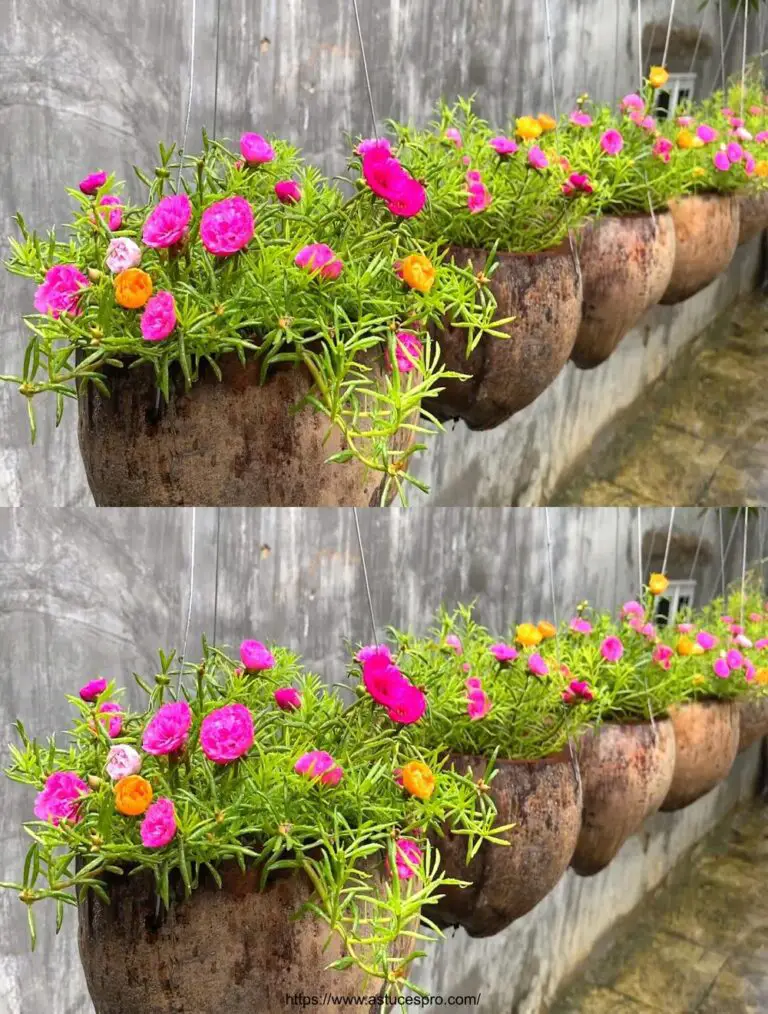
(706, 133)
(92, 183)
(452, 641)
(632, 101)
(408, 349)
(319, 764)
(734, 659)
(706, 640)
(256, 657)
(478, 197)
(734, 152)
(762, 644)
(383, 680)
(762, 137)
(537, 159)
(383, 174)
(319, 257)
(452, 134)
(721, 161)
(577, 183)
(726, 619)
(288, 192)
(685, 121)
(612, 649)
(580, 119)
(114, 214)
(409, 706)
(168, 730)
(577, 691)
(749, 163)
(122, 254)
(227, 226)
(720, 668)
(749, 670)
(60, 798)
(685, 628)
(662, 655)
(612, 142)
(537, 665)
(288, 699)
(408, 857)
(473, 683)
(159, 318)
(377, 146)
(376, 652)
(168, 224)
(409, 200)
(755, 617)
(59, 292)
(122, 760)
(478, 703)
(159, 825)
(648, 123)
(110, 714)
(663, 149)
(736, 122)
(503, 652)
(580, 626)
(227, 733)
(503, 146)
(92, 690)
(632, 608)
(256, 150)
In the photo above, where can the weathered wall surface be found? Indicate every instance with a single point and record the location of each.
(86, 592)
(86, 85)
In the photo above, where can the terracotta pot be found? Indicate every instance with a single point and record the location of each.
(236, 949)
(543, 291)
(753, 721)
(707, 234)
(707, 741)
(626, 264)
(543, 798)
(753, 215)
(229, 443)
(626, 772)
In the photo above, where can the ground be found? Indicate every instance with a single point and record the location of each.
(699, 436)
(700, 942)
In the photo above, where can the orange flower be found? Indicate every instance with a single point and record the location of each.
(546, 629)
(761, 168)
(761, 677)
(685, 139)
(133, 795)
(658, 77)
(133, 288)
(657, 584)
(528, 129)
(418, 779)
(684, 646)
(528, 635)
(547, 122)
(418, 271)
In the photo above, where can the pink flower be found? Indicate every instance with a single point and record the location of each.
(408, 857)
(577, 691)
(720, 668)
(159, 825)
(726, 619)
(473, 683)
(256, 150)
(168, 730)
(736, 629)
(466, 666)
(749, 670)
(726, 111)
(755, 617)
(92, 690)
(662, 655)
(580, 626)
(287, 192)
(503, 652)
(409, 706)
(706, 640)
(734, 152)
(377, 146)
(734, 659)
(755, 110)
(114, 217)
(452, 641)
(537, 665)
(256, 657)
(93, 183)
(383, 680)
(159, 318)
(537, 159)
(452, 134)
(60, 798)
(113, 718)
(580, 119)
(478, 704)
(762, 644)
(647, 123)
(663, 149)
(227, 733)
(706, 133)
(632, 101)
(59, 292)
(122, 254)
(167, 225)
(374, 652)
(288, 699)
(409, 200)
(736, 122)
(227, 226)
(685, 628)
(749, 163)
(122, 760)
(407, 351)
(721, 161)
(762, 137)
(577, 183)
(478, 197)
(612, 142)
(685, 121)
(503, 145)
(383, 174)
(319, 764)
(632, 608)
(612, 649)
(742, 134)
(319, 257)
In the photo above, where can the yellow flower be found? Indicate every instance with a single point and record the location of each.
(761, 168)
(684, 646)
(528, 635)
(761, 677)
(698, 680)
(528, 129)
(418, 779)
(697, 649)
(657, 584)
(546, 629)
(698, 171)
(418, 272)
(685, 139)
(547, 122)
(658, 77)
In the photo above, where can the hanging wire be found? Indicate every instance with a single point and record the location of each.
(724, 553)
(722, 44)
(698, 544)
(744, 563)
(216, 579)
(191, 597)
(641, 66)
(640, 551)
(669, 540)
(365, 575)
(699, 36)
(744, 56)
(650, 45)
(365, 68)
(187, 121)
(669, 34)
(724, 48)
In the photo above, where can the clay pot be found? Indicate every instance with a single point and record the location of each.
(543, 799)
(237, 949)
(753, 214)
(707, 234)
(626, 264)
(707, 741)
(230, 443)
(753, 721)
(626, 772)
(543, 292)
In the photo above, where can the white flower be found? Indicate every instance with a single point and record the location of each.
(122, 254)
(122, 761)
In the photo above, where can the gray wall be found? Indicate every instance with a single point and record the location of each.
(85, 84)
(86, 592)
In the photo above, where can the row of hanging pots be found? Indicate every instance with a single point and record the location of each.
(563, 817)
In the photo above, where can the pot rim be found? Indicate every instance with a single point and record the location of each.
(561, 757)
(562, 250)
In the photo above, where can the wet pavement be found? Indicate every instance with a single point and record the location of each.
(699, 436)
(699, 944)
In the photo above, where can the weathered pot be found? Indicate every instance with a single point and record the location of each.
(230, 443)
(753, 721)
(543, 799)
(707, 741)
(626, 772)
(753, 214)
(707, 234)
(543, 292)
(626, 265)
(236, 949)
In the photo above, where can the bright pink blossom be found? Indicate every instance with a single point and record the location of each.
(663, 149)
(288, 699)
(113, 213)
(749, 670)
(408, 857)
(749, 163)
(577, 183)
(632, 608)
(92, 183)
(537, 159)
(256, 657)
(734, 659)
(92, 690)
(662, 655)
(736, 122)
(409, 706)
(227, 733)
(580, 119)
(452, 641)
(408, 349)
(473, 683)
(577, 691)
(168, 224)
(478, 704)
(409, 200)
(383, 174)
(633, 101)
(612, 649)
(612, 142)
(110, 715)
(256, 150)
(384, 681)
(734, 152)
(319, 764)
(721, 161)
(227, 226)
(122, 761)
(320, 258)
(503, 146)
(478, 196)
(706, 640)
(720, 668)
(762, 644)
(159, 318)
(378, 652)
(159, 825)
(168, 730)
(537, 665)
(706, 133)
(580, 626)
(503, 652)
(288, 192)
(60, 798)
(59, 292)
(453, 135)
(376, 146)
(762, 137)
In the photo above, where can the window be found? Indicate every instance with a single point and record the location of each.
(676, 599)
(677, 91)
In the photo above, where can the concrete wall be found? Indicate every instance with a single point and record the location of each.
(85, 84)
(86, 592)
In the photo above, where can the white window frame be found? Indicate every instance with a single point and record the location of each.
(678, 83)
(676, 590)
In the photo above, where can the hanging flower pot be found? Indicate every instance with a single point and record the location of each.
(753, 214)
(753, 721)
(543, 293)
(707, 741)
(626, 264)
(626, 772)
(543, 799)
(707, 234)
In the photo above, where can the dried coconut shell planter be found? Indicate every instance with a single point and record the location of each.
(707, 234)
(543, 799)
(753, 215)
(753, 721)
(626, 264)
(543, 292)
(706, 744)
